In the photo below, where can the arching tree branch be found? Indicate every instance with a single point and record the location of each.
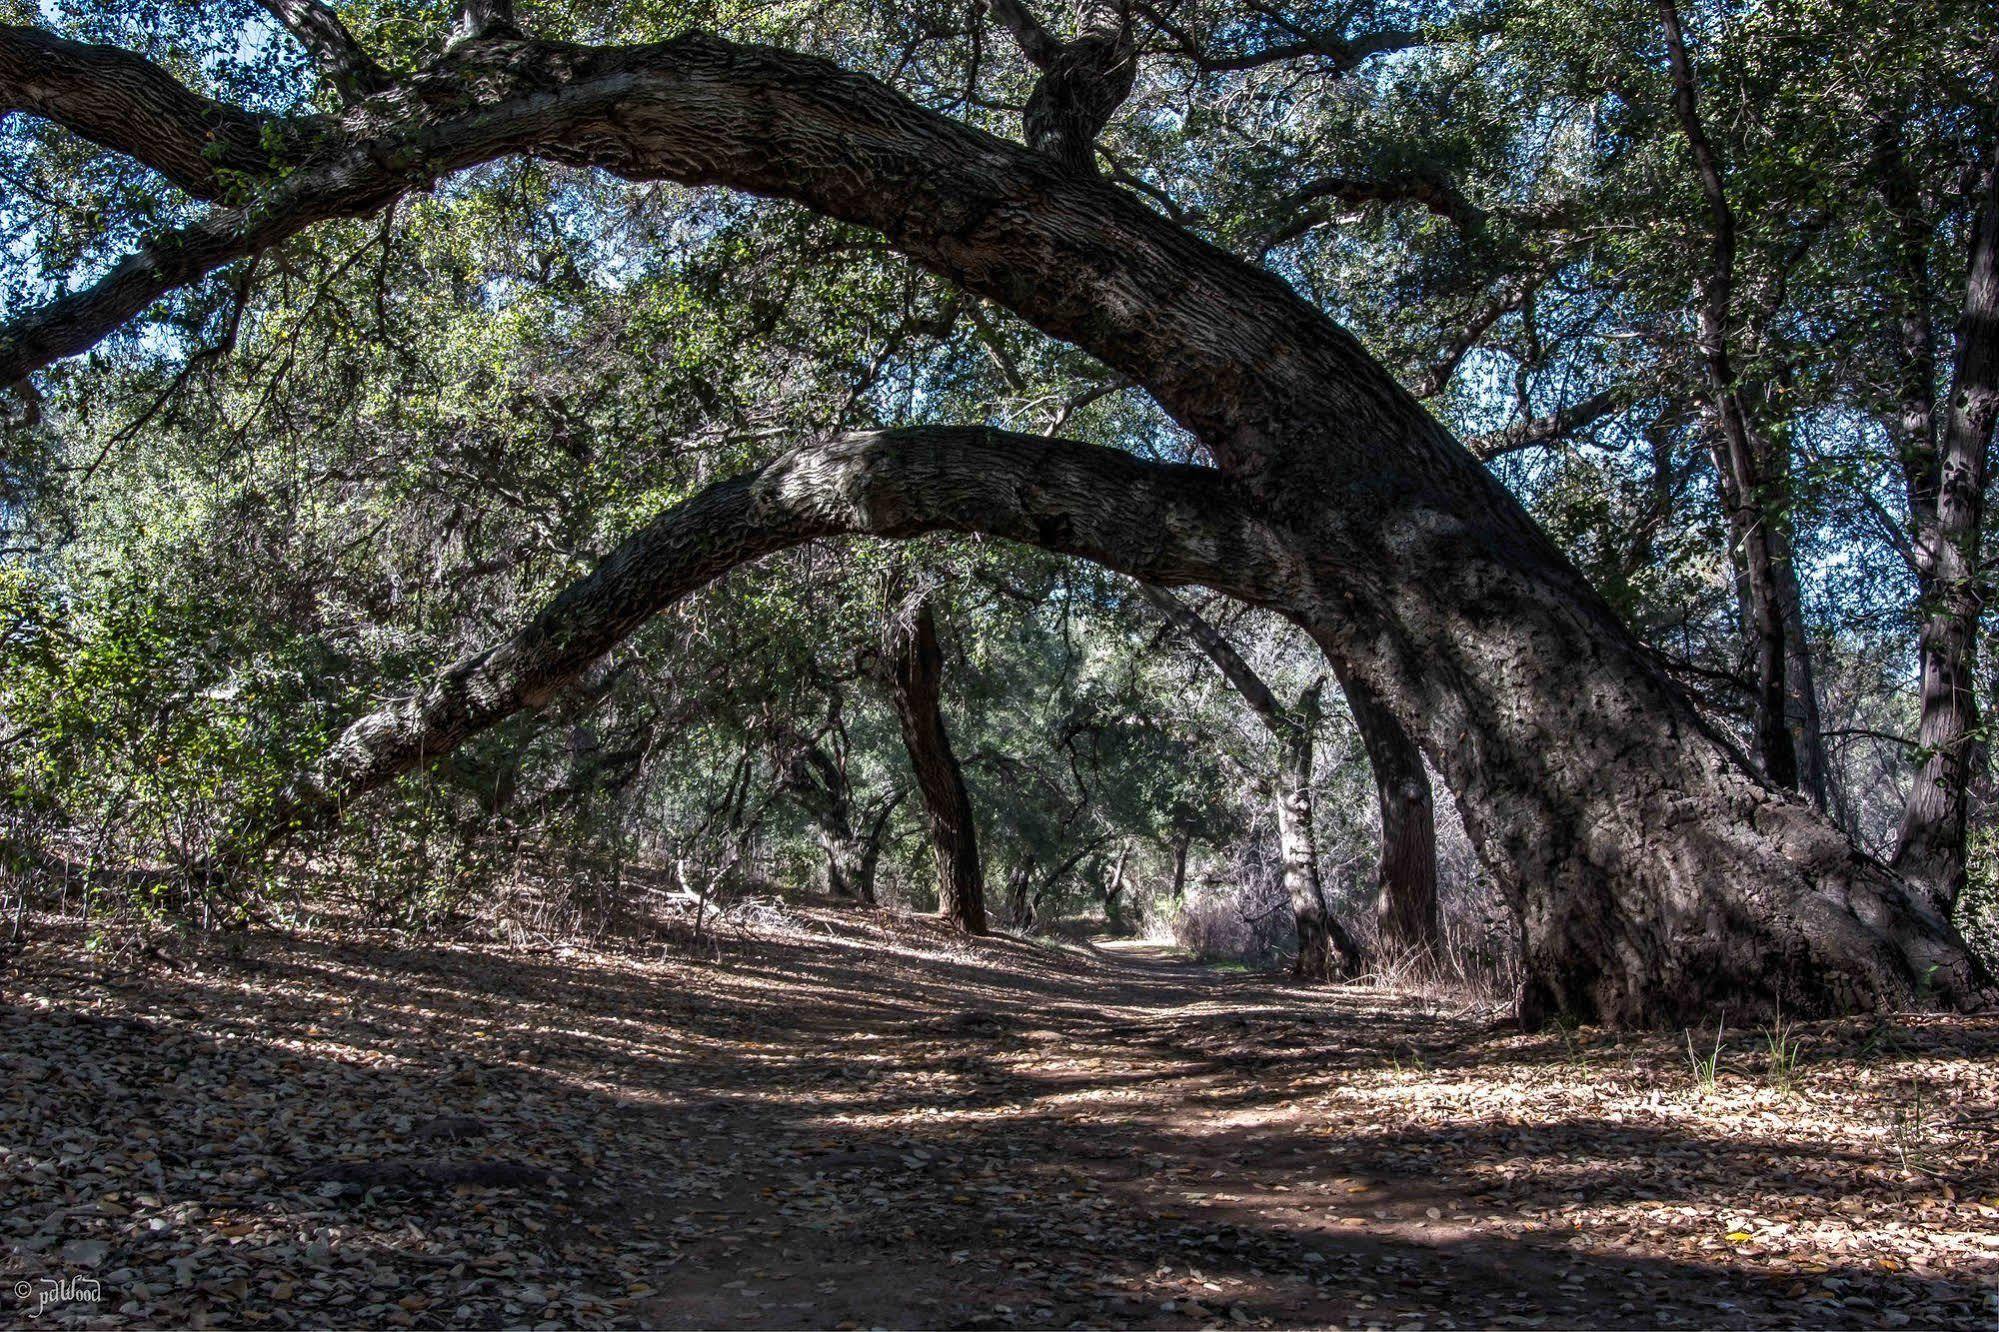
(1165, 523)
(131, 106)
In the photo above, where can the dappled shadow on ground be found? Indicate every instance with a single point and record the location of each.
(864, 1121)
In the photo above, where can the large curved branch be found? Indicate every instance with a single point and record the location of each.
(1162, 523)
(131, 106)
(360, 176)
(1078, 258)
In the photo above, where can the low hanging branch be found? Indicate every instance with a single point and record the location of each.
(1164, 523)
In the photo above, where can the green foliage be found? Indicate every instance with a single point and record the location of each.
(287, 493)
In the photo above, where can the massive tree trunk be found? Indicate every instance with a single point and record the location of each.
(1946, 491)
(1654, 874)
(916, 665)
(1406, 883)
(1325, 948)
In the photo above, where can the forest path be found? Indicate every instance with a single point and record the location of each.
(860, 1120)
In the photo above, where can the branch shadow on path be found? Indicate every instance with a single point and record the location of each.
(887, 1126)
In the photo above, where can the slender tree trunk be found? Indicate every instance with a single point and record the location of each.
(1736, 454)
(1946, 500)
(916, 662)
(1326, 951)
(1406, 882)
(1801, 689)
(1179, 847)
(1019, 899)
(1325, 948)
(1114, 887)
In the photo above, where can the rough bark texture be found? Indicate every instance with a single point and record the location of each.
(916, 662)
(1654, 874)
(1946, 489)
(130, 106)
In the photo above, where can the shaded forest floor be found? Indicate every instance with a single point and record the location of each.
(858, 1121)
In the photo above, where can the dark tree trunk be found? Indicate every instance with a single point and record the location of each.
(1738, 458)
(1801, 688)
(1654, 875)
(1406, 884)
(1019, 897)
(1946, 490)
(1179, 847)
(916, 663)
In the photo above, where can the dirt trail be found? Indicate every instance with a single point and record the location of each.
(864, 1122)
